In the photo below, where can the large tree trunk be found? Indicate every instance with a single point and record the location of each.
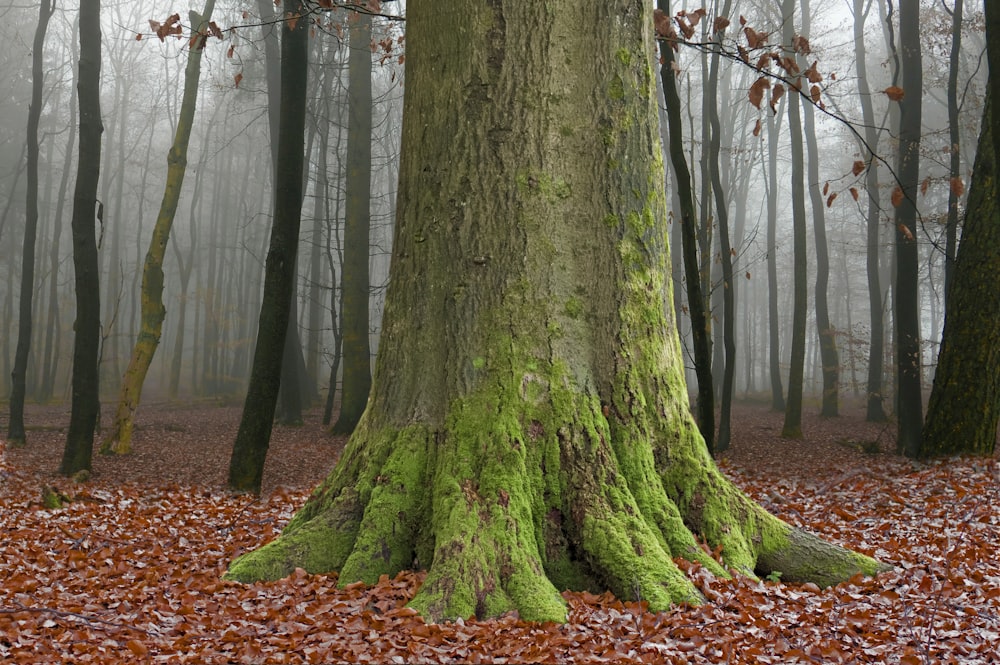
(964, 406)
(119, 440)
(905, 296)
(355, 281)
(529, 429)
(15, 427)
(86, 406)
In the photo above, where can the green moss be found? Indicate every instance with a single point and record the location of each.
(566, 130)
(479, 362)
(574, 308)
(616, 89)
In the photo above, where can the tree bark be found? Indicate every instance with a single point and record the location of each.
(153, 311)
(773, 320)
(875, 410)
(86, 406)
(905, 295)
(964, 406)
(829, 358)
(529, 429)
(355, 281)
(15, 426)
(726, 255)
(246, 465)
(792, 428)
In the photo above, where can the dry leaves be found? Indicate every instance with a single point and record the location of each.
(129, 571)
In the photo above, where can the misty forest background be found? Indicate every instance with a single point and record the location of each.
(214, 264)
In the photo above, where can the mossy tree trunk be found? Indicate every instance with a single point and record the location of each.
(964, 406)
(528, 429)
(153, 311)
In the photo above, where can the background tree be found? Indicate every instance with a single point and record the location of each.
(826, 333)
(356, 279)
(728, 286)
(700, 328)
(246, 464)
(792, 427)
(86, 406)
(905, 296)
(875, 410)
(15, 427)
(119, 440)
(528, 342)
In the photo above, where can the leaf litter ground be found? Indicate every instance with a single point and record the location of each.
(129, 570)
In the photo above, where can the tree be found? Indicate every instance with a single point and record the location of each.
(964, 406)
(357, 226)
(725, 250)
(528, 428)
(246, 464)
(773, 322)
(954, 147)
(905, 297)
(86, 383)
(15, 427)
(875, 406)
(119, 440)
(700, 326)
(792, 427)
(827, 334)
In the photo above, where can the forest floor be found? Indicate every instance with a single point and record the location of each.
(129, 571)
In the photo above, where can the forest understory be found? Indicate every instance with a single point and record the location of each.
(128, 570)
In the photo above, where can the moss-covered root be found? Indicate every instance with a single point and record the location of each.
(487, 565)
(802, 557)
(629, 557)
(320, 545)
(755, 542)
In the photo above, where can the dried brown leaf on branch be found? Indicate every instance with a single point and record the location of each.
(756, 92)
(894, 92)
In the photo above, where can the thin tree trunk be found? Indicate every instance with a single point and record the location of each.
(246, 465)
(86, 397)
(792, 428)
(727, 286)
(954, 150)
(700, 327)
(829, 358)
(15, 426)
(355, 274)
(119, 440)
(773, 320)
(905, 294)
